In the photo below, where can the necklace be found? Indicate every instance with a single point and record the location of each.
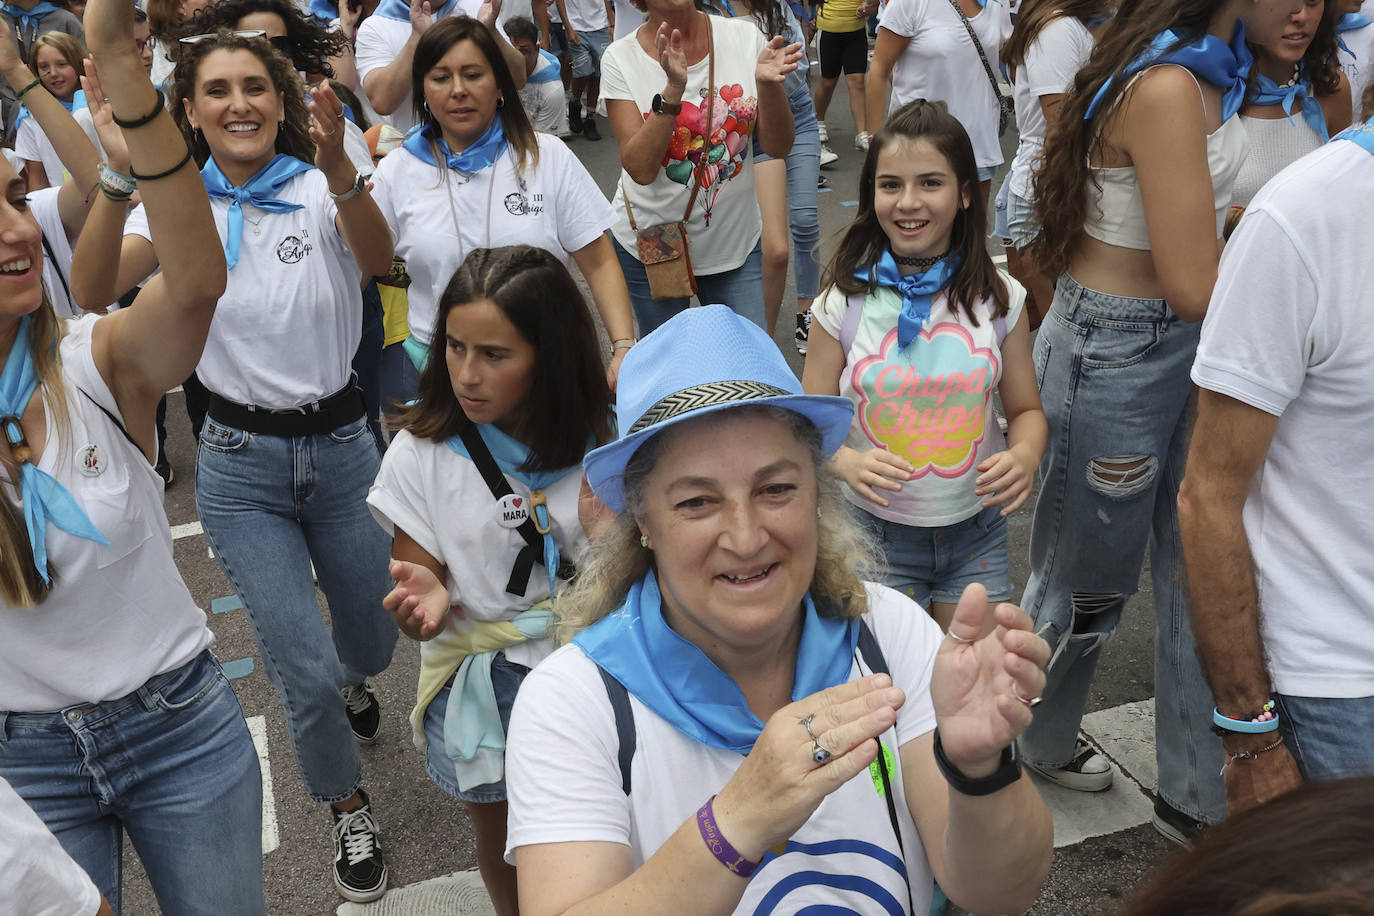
(255, 223)
(921, 264)
(1297, 75)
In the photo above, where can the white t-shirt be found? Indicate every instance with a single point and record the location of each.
(587, 15)
(1288, 332)
(119, 613)
(544, 102)
(438, 497)
(627, 72)
(1053, 59)
(940, 63)
(930, 403)
(564, 784)
(57, 266)
(437, 219)
(627, 18)
(31, 143)
(288, 324)
(1358, 63)
(40, 877)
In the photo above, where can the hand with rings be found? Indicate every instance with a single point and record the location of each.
(984, 686)
(807, 750)
(326, 128)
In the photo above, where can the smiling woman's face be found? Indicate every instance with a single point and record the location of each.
(21, 249)
(237, 107)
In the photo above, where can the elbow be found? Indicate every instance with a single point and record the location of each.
(642, 176)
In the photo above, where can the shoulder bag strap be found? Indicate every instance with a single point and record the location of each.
(854, 308)
(978, 46)
(624, 724)
(710, 102)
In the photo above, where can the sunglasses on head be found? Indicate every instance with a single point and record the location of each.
(208, 36)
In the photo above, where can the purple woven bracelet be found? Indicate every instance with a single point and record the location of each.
(720, 847)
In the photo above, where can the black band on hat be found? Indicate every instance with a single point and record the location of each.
(707, 395)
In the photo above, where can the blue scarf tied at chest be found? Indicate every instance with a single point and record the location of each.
(1268, 92)
(258, 191)
(1207, 57)
(29, 21)
(488, 148)
(916, 290)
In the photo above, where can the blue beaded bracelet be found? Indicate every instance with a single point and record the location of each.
(1266, 720)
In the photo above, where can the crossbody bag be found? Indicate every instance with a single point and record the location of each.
(1006, 108)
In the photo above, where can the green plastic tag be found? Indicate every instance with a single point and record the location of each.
(876, 772)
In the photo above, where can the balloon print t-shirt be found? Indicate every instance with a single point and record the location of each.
(720, 151)
(930, 403)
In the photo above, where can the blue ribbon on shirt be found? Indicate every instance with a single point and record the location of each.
(258, 191)
(476, 157)
(400, 10)
(550, 71)
(1205, 56)
(676, 680)
(30, 20)
(915, 290)
(77, 103)
(45, 499)
(1268, 92)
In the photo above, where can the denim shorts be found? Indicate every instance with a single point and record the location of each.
(506, 678)
(1014, 218)
(937, 564)
(585, 58)
(559, 46)
(985, 172)
(1329, 738)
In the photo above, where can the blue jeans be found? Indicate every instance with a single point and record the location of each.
(506, 678)
(939, 563)
(585, 58)
(803, 171)
(1113, 375)
(1331, 738)
(741, 289)
(173, 764)
(272, 505)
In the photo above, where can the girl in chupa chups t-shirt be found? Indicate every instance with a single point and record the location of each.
(918, 328)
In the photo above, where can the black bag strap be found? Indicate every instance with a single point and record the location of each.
(533, 551)
(624, 724)
(113, 419)
(982, 55)
(57, 268)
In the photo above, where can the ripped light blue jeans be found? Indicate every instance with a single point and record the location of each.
(1113, 376)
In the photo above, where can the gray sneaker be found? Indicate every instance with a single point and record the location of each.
(1088, 771)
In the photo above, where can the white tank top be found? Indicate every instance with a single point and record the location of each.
(117, 614)
(1275, 144)
(1116, 213)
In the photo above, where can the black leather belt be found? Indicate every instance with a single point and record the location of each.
(316, 418)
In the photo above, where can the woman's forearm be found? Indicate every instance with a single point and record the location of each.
(599, 265)
(1011, 827)
(96, 258)
(876, 87)
(387, 87)
(642, 154)
(776, 128)
(361, 223)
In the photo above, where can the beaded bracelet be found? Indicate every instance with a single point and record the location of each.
(720, 847)
(1248, 755)
(1266, 720)
(19, 96)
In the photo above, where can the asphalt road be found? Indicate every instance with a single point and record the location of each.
(426, 833)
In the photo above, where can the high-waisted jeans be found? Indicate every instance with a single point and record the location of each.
(1113, 375)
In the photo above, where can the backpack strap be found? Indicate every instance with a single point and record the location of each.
(624, 724)
(999, 327)
(853, 311)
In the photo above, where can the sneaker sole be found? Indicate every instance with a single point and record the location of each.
(363, 739)
(1078, 782)
(1170, 832)
(353, 895)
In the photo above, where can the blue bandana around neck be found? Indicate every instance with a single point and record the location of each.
(510, 453)
(915, 289)
(77, 103)
(1206, 57)
(1268, 92)
(550, 71)
(257, 191)
(325, 10)
(45, 499)
(676, 680)
(1349, 23)
(400, 10)
(30, 20)
(476, 157)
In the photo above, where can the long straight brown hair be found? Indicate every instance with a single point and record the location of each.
(1034, 15)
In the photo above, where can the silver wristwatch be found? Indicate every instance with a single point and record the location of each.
(359, 182)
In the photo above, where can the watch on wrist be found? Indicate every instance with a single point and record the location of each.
(359, 182)
(661, 106)
(1007, 772)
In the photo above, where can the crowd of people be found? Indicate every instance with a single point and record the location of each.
(679, 610)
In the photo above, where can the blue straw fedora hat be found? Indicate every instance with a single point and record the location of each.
(700, 361)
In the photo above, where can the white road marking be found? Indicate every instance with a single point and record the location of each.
(458, 894)
(188, 530)
(257, 726)
(1000, 259)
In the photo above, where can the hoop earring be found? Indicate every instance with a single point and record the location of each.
(501, 103)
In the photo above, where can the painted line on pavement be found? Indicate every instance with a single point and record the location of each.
(239, 667)
(226, 604)
(849, 203)
(190, 529)
(1000, 259)
(257, 727)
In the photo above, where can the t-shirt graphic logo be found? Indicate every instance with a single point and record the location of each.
(517, 204)
(929, 402)
(292, 249)
(719, 157)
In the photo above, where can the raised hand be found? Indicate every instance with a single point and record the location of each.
(421, 16)
(111, 137)
(419, 602)
(488, 11)
(870, 471)
(1008, 475)
(9, 54)
(777, 60)
(348, 18)
(109, 26)
(327, 127)
(672, 56)
(983, 686)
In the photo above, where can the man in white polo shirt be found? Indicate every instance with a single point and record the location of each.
(1276, 510)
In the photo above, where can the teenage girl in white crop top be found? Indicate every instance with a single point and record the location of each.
(1133, 193)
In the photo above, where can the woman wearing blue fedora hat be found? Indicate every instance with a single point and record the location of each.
(740, 719)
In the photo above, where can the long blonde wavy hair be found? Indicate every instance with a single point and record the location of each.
(845, 553)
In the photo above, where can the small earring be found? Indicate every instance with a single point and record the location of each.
(501, 103)
(425, 106)
(644, 541)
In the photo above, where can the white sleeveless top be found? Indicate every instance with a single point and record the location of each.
(1275, 144)
(1116, 213)
(118, 614)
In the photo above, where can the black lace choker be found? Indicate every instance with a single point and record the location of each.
(921, 264)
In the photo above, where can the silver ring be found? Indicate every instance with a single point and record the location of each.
(959, 639)
(1031, 703)
(819, 753)
(806, 724)
(341, 116)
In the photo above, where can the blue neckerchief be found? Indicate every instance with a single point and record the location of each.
(476, 157)
(678, 682)
(1360, 135)
(45, 500)
(29, 20)
(1268, 92)
(547, 73)
(510, 454)
(1349, 23)
(400, 10)
(76, 104)
(257, 191)
(915, 290)
(324, 10)
(1206, 56)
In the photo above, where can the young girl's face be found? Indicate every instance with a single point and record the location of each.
(916, 197)
(57, 73)
(490, 363)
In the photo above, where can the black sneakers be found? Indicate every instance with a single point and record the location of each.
(575, 115)
(359, 870)
(589, 126)
(364, 712)
(803, 330)
(1174, 825)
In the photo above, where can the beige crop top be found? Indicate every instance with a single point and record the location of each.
(1116, 214)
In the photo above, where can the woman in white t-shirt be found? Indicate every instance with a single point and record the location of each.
(476, 175)
(1051, 40)
(55, 59)
(655, 82)
(924, 52)
(286, 455)
(514, 389)
(1355, 32)
(117, 717)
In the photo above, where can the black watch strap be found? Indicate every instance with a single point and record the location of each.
(1007, 773)
(660, 106)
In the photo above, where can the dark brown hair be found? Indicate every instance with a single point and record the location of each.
(1307, 853)
(569, 402)
(1061, 183)
(311, 43)
(433, 45)
(293, 133)
(864, 241)
(1034, 15)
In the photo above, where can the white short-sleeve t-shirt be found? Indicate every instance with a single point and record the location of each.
(288, 324)
(564, 784)
(941, 64)
(587, 15)
(629, 73)
(437, 218)
(31, 143)
(438, 497)
(1053, 59)
(1288, 332)
(930, 403)
(1356, 59)
(40, 876)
